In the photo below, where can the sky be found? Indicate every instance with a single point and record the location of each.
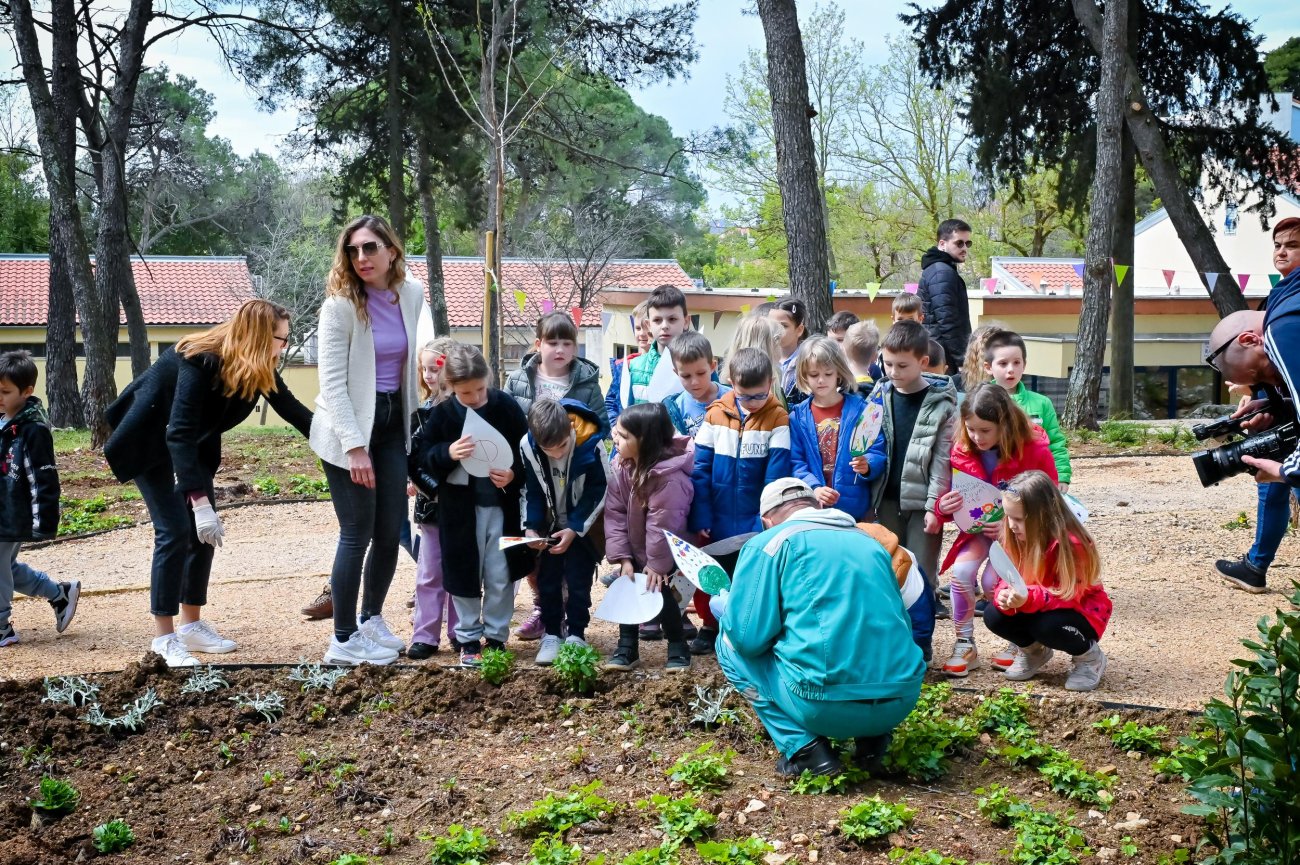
(724, 35)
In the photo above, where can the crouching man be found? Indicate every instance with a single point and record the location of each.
(815, 634)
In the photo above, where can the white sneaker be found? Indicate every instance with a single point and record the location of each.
(173, 651)
(359, 649)
(548, 651)
(377, 632)
(1028, 662)
(203, 638)
(575, 641)
(1088, 669)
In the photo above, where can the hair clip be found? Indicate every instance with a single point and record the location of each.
(442, 358)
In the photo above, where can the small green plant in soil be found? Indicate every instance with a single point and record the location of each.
(1240, 521)
(34, 755)
(301, 485)
(314, 677)
(702, 770)
(70, 691)
(1132, 736)
(551, 850)
(922, 857)
(204, 680)
(132, 717)
(112, 837)
(1068, 776)
(271, 777)
(708, 707)
(285, 826)
(681, 819)
(351, 859)
(267, 485)
(87, 515)
(317, 713)
(495, 665)
(924, 743)
(56, 796)
(745, 851)
(1123, 433)
(269, 705)
(1008, 709)
(1041, 837)
(874, 818)
(558, 814)
(461, 846)
(1128, 847)
(1187, 759)
(998, 805)
(577, 667)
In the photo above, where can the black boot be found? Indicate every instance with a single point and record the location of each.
(627, 655)
(817, 757)
(1241, 574)
(703, 644)
(869, 752)
(679, 657)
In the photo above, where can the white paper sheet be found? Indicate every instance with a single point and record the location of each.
(867, 429)
(1001, 563)
(1076, 507)
(665, 381)
(491, 450)
(699, 567)
(981, 502)
(506, 542)
(626, 602)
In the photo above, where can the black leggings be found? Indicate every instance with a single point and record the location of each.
(1066, 630)
(670, 618)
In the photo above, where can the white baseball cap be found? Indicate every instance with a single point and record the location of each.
(779, 492)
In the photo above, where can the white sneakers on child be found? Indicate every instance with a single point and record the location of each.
(1028, 662)
(173, 651)
(1088, 669)
(548, 651)
(203, 638)
(358, 649)
(377, 632)
(65, 605)
(964, 659)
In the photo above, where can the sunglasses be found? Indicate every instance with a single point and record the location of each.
(1214, 355)
(963, 244)
(370, 248)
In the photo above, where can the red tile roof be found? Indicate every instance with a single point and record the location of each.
(540, 281)
(173, 290)
(1059, 274)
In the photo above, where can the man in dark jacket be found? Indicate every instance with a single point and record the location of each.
(943, 291)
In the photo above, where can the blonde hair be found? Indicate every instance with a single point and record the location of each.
(760, 332)
(862, 343)
(439, 346)
(1048, 520)
(823, 351)
(990, 402)
(244, 344)
(972, 368)
(343, 280)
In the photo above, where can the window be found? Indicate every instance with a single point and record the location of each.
(1230, 219)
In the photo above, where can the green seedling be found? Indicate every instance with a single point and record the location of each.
(874, 818)
(1132, 736)
(577, 667)
(56, 796)
(112, 837)
(681, 819)
(495, 665)
(461, 846)
(558, 814)
(747, 851)
(701, 770)
(204, 680)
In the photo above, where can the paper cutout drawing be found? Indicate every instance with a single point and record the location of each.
(867, 430)
(664, 382)
(698, 566)
(981, 502)
(1002, 563)
(626, 602)
(491, 450)
(1076, 507)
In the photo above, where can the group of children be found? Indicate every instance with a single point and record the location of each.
(872, 425)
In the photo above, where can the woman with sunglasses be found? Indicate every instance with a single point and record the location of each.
(371, 325)
(167, 428)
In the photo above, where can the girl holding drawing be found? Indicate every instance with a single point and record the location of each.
(465, 445)
(1064, 605)
(361, 429)
(994, 442)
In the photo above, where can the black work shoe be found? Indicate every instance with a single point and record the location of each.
(703, 644)
(626, 657)
(941, 610)
(817, 757)
(421, 651)
(869, 752)
(1241, 574)
(679, 658)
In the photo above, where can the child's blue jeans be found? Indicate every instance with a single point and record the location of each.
(17, 577)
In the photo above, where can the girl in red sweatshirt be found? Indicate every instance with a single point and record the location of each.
(1066, 607)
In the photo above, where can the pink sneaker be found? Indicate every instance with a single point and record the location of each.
(532, 628)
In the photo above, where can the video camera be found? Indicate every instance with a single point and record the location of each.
(1225, 461)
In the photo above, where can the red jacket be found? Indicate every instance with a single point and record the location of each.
(1037, 455)
(1092, 602)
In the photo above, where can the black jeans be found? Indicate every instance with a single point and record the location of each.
(369, 519)
(1066, 630)
(182, 563)
(669, 618)
(574, 569)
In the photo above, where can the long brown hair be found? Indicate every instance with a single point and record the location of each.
(1049, 519)
(989, 401)
(649, 424)
(343, 280)
(244, 344)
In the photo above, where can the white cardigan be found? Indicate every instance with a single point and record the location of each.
(345, 406)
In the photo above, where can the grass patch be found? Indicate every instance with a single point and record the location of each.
(71, 439)
(87, 515)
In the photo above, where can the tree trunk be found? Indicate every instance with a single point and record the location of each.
(796, 160)
(1154, 152)
(393, 110)
(432, 239)
(1090, 344)
(1122, 390)
(54, 110)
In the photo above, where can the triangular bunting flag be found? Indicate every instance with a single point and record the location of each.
(576, 312)
(990, 284)
(833, 283)
(1274, 279)
(717, 317)
(1242, 279)
(873, 288)
(605, 319)
(911, 287)
(1078, 269)
(745, 308)
(1121, 271)
(548, 305)
(521, 299)
(631, 320)
(771, 298)
(1210, 280)
(1169, 278)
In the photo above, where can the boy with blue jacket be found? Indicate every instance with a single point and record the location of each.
(566, 475)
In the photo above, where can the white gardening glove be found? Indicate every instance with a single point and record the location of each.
(207, 524)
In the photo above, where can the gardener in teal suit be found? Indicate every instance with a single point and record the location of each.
(815, 634)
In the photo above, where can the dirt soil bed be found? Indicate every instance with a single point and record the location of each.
(392, 757)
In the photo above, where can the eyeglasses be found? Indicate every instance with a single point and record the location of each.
(370, 248)
(1214, 355)
(752, 397)
(284, 340)
(963, 244)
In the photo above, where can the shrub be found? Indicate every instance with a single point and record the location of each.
(681, 819)
(577, 667)
(301, 485)
(927, 737)
(551, 850)
(267, 485)
(461, 846)
(749, 851)
(559, 814)
(57, 797)
(701, 770)
(1132, 736)
(495, 665)
(874, 818)
(113, 836)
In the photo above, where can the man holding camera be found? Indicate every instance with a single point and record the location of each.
(1263, 348)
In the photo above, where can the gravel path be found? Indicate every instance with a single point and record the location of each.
(1175, 628)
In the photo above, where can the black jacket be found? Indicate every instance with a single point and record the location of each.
(174, 414)
(947, 308)
(29, 480)
(456, 515)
